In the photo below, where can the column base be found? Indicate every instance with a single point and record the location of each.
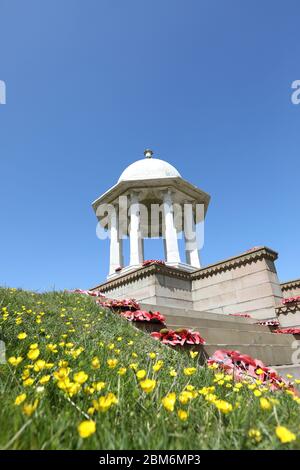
(183, 266)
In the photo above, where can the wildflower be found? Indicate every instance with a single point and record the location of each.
(52, 347)
(122, 371)
(62, 373)
(44, 379)
(20, 398)
(133, 366)
(189, 370)
(39, 365)
(265, 404)
(182, 415)
(29, 409)
(33, 354)
(95, 363)
(169, 401)
(193, 354)
(105, 402)
(22, 335)
(157, 366)
(289, 376)
(134, 355)
(152, 355)
(141, 374)
(86, 428)
(284, 435)
(173, 373)
(207, 390)
(185, 397)
(148, 385)
(255, 435)
(28, 382)
(223, 406)
(213, 366)
(257, 393)
(15, 361)
(112, 363)
(80, 377)
(99, 386)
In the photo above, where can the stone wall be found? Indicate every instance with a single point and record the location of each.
(244, 284)
(291, 288)
(247, 283)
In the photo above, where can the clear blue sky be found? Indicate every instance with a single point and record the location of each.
(92, 83)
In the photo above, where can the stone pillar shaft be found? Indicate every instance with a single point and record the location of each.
(136, 241)
(116, 243)
(171, 242)
(190, 236)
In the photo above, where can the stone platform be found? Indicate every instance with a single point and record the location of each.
(247, 283)
(229, 332)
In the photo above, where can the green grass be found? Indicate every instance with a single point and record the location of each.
(138, 421)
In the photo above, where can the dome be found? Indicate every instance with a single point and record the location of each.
(148, 168)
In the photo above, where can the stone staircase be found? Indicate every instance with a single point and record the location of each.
(229, 332)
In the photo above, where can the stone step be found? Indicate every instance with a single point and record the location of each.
(229, 332)
(228, 336)
(291, 369)
(269, 354)
(180, 316)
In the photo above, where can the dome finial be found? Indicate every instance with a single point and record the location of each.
(148, 153)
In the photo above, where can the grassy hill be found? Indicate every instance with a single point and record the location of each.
(79, 364)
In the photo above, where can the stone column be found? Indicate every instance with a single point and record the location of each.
(116, 243)
(136, 241)
(170, 235)
(190, 236)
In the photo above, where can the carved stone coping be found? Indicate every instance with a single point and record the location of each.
(140, 273)
(248, 257)
(288, 308)
(289, 285)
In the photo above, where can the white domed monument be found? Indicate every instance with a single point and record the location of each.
(225, 300)
(160, 204)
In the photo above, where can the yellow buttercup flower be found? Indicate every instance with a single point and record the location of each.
(99, 386)
(152, 355)
(22, 335)
(80, 377)
(255, 435)
(157, 366)
(86, 428)
(141, 374)
(28, 382)
(223, 406)
(29, 408)
(95, 363)
(33, 354)
(122, 371)
(148, 385)
(284, 435)
(44, 379)
(173, 373)
(105, 402)
(15, 361)
(189, 370)
(20, 398)
(112, 363)
(39, 365)
(265, 404)
(182, 415)
(257, 393)
(193, 354)
(169, 401)
(185, 396)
